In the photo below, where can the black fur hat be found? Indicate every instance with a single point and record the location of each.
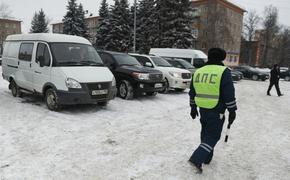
(216, 55)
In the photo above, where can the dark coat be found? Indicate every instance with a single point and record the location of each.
(275, 75)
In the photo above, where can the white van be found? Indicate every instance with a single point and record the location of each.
(195, 57)
(175, 78)
(64, 69)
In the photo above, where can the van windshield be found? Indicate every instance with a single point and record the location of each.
(158, 61)
(72, 54)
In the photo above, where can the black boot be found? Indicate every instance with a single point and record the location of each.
(197, 166)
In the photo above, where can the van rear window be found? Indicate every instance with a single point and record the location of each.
(25, 52)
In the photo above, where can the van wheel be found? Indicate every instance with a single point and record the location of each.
(151, 93)
(14, 88)
(166, 87)
(51, 100)
(125, 90)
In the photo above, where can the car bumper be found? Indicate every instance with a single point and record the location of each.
(179, 83)
(84, 97)
(149, 87)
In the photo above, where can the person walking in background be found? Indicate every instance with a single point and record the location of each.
(212, 90)
(274, 80)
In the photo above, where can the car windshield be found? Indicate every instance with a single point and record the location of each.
(124, 59)
(199, 62)
(176, 64)
(186, 64)
(158, 61)
(72, 54)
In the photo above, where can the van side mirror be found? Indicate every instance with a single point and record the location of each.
(148, 64)
(40, 61)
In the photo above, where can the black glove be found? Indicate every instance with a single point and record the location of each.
(232, 117)
(193, 112)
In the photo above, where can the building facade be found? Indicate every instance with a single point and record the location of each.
(92, 22)
(8, 27)
(218, 23)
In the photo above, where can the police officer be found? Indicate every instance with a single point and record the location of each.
(212, 90)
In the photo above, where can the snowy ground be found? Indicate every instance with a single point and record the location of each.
(147, 138)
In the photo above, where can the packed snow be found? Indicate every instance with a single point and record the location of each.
(146, 138)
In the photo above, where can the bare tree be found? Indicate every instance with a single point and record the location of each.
(5, 12)
(270, 31)
(251, 23)
(284, 46)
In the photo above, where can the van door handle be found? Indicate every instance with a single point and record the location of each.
(18, 63)
(30, 65)
(37, 72)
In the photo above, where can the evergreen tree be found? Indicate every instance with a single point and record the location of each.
(39, 23)
(119, 37)
(74, 20)
(82, 22)
(147, 28)
(103, 28)
(175, 24)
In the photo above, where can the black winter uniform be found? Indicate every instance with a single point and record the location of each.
(212, 120)
(274, 80)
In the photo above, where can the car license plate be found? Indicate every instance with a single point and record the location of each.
(158, 85)
(99, 92)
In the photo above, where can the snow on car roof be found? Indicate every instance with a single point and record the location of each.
(48, 37)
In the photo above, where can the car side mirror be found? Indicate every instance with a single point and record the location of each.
(148, 64)
(40, 61)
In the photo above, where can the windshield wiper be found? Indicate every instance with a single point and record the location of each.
(71, 63)
(91, 63)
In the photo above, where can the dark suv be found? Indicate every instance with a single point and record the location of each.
(252, 73)
(132, 78)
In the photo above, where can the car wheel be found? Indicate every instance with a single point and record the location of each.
(151, 93)
(166, 87)
(255, 77)
(51, 100)
(14, 88)
(179, 90)
(126, 90)
(287, 78)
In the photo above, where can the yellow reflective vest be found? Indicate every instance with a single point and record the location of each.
(206, 82)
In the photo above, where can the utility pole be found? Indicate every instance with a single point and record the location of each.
(135, 18)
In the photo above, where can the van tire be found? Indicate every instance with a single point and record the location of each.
(166, 87)
(14, 88)
(125, 90)
(51, 100)
(103, 103)
(255, 77)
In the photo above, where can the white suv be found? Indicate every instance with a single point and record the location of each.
(176, 79)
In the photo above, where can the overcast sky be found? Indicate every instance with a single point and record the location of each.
(55, 9)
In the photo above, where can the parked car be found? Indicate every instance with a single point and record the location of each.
(180, 63)
(64, 69)
(175, 78)
(285, 75)
(195, 57)
(252, 73)
(236, 75)
(132, 78)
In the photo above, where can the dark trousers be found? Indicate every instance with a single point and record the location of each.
(211, 128)
(276, 83)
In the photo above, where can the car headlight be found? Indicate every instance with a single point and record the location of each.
(141, 76)
(114, 82)
(73, 84)
(175, 74)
